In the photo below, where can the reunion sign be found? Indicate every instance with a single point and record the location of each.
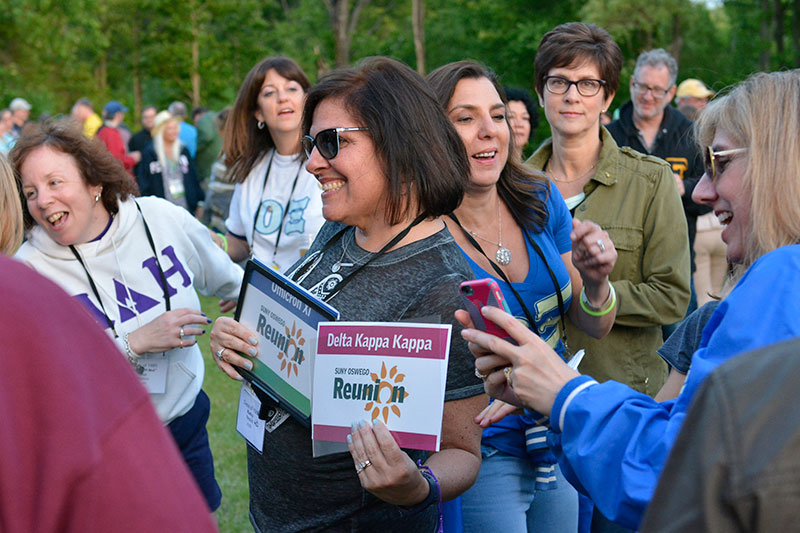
(395, 372)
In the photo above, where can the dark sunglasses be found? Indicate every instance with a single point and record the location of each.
(711, 159)
(326, 141)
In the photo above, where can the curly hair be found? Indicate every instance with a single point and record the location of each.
(95, 163)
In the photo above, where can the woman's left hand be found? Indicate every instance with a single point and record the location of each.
(385, 470)
(593, 252)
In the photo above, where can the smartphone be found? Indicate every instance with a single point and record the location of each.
(477, 293)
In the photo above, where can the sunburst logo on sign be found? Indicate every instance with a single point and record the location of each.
(291, 356)
(396, 394)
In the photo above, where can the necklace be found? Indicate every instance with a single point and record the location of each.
(564, 179)
(337, 266)
(503, 254)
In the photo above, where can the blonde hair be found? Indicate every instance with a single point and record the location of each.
(10, 210)
(760, 114)
(161, 121)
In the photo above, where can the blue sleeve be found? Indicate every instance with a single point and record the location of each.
(612, 442)
(559, 220)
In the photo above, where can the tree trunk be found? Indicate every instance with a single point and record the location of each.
(195, 60)
(764, 34)
(344, 23)
(137, 76)
(796, 33)
(779, 27)
(418, 25)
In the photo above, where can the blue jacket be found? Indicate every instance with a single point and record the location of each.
(612, 442)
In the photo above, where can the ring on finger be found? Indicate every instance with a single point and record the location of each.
(601, 245)
(507, 371)
(181, 333)
(479, 375)
(219, 354)
(362, 466)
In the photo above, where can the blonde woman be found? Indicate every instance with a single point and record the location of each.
(167, 170)
(10, 211)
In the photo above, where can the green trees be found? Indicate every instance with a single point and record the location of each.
(198, 51)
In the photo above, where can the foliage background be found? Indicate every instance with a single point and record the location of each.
(156, 51)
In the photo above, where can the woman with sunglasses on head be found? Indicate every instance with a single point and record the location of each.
(135, 264)
(384, 255)
(276, 209)
(611, 440)
(539, 258)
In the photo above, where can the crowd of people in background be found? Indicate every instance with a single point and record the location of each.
(651, 238)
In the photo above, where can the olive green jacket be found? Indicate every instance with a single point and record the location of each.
(635, 199)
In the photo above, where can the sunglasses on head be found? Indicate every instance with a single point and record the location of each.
(711, 159)
(326, 141)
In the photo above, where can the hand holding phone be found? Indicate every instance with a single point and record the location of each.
(477, 293)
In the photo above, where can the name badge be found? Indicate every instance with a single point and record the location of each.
(248, 425)
(153, 373)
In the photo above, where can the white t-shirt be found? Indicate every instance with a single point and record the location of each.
(297, 227)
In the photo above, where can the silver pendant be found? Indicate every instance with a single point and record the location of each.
(503, 256)
(336, 267)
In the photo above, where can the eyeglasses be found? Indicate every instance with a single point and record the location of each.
(711, 159)
(326, 141)
(642, 89)
(586, 86)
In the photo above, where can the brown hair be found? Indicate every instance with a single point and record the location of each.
(95, 163)
(576, 43)
(243, 142)
(520, 187)
(10, 210)
(415, 143)
(760, 114)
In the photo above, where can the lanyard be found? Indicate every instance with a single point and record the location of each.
(285, 209)
(502, 274)
(336, 238)
(158, 264)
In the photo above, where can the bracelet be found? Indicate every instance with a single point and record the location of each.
(605, 308)
(133, 357)
(224, 242)
(434, 494)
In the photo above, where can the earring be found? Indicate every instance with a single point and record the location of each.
(97, 198)
(260, 125)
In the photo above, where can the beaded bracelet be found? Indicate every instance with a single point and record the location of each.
(605, 308)
(434, 494)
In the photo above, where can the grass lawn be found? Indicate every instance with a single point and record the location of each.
(229, 449)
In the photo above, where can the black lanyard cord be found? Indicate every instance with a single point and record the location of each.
(158, 264)
(336, 238)
(504, 277)
(285, 209)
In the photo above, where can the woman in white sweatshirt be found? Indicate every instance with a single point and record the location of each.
(135, 265)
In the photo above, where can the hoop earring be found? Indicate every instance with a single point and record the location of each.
(260, 125)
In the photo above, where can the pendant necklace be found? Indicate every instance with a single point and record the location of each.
(337, 266)
(503, 255)
(552, 176)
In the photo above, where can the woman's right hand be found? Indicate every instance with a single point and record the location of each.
(164, 333)
(227, 338)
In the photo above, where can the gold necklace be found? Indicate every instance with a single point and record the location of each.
(565, 180)
(503, 254)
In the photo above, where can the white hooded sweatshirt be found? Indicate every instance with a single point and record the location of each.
(124, 270)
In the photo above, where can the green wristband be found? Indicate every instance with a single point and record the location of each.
(612, 301)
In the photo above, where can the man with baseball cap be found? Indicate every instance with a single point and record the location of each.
(109, 133)
(693, 92)
(20, 111)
